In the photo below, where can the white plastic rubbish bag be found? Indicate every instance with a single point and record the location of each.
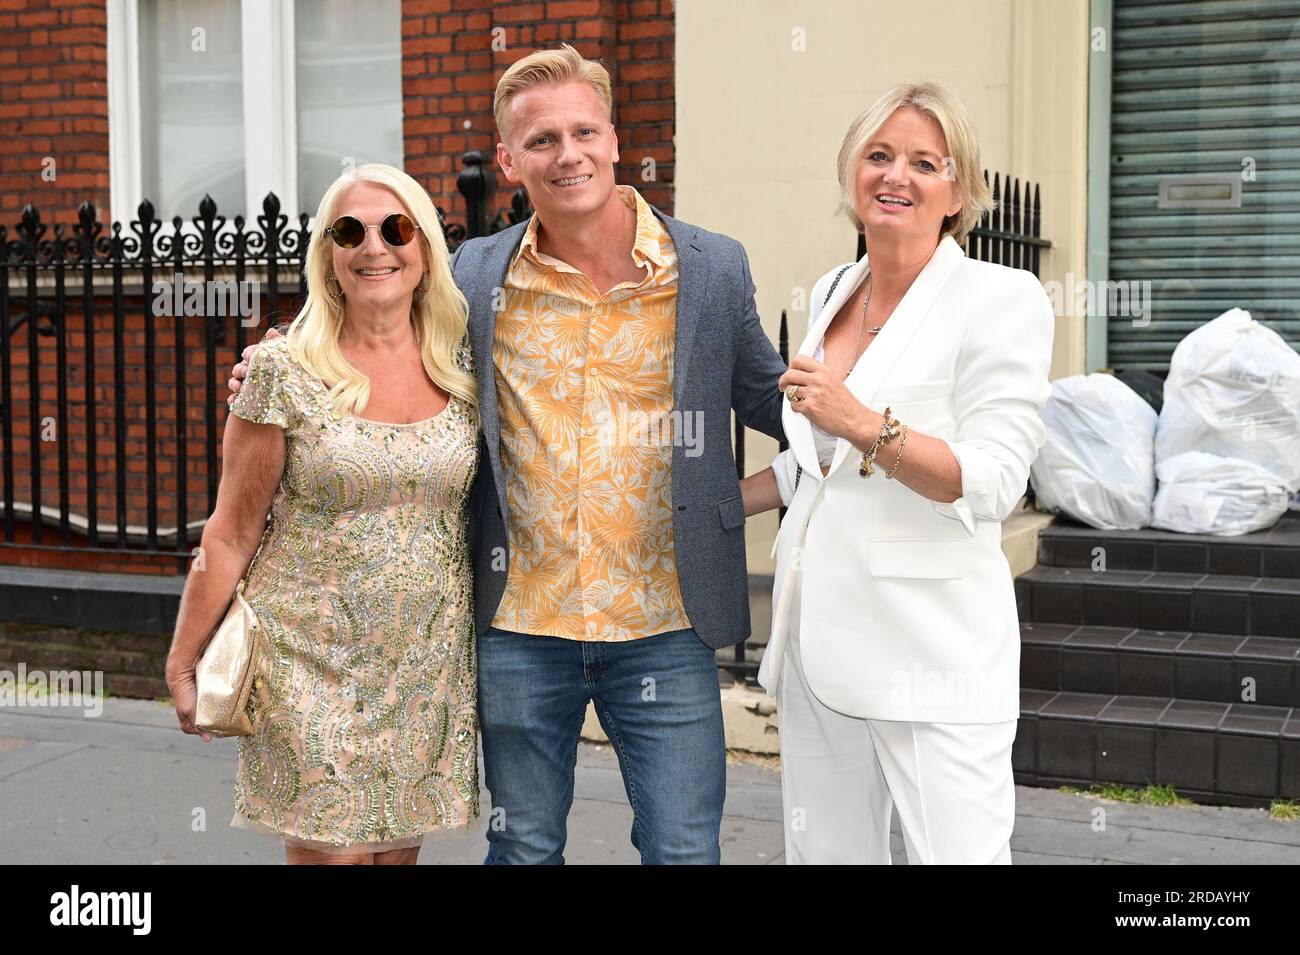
(1203, 493)
(1098, 464)
(1234, 390)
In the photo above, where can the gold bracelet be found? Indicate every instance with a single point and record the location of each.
(898, 460)
(888, 432)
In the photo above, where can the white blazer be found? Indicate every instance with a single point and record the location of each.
(907, 609)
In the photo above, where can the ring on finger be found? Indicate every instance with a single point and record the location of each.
(793, 393)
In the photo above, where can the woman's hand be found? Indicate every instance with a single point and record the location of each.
(185, 697)
(823, 398)
(929, 467)
(240, 371)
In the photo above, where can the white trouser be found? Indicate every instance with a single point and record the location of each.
(840, 776)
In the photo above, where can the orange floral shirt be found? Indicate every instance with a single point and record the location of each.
(584, 384)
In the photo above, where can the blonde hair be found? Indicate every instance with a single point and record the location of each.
(939, 102)
(440, 314)
(564, 65)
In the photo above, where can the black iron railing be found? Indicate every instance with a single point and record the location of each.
(111, 384)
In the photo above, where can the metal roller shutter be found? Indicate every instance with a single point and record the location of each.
(1202, 91)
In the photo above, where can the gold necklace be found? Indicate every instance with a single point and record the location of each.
(862, 323)
(865, 302)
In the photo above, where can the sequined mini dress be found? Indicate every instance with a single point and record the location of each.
(365, 734)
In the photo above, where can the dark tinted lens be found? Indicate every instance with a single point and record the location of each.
(397, 229)
(348, 232)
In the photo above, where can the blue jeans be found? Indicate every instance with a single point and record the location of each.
(659, 703)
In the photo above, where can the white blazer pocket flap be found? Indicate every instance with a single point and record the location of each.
(923, 558)
(914, 391)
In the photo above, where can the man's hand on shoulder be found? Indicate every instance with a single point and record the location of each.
(240, 371)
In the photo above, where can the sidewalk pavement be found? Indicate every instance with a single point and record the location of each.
(125, 787)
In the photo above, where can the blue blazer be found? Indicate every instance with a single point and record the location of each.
(723, 360)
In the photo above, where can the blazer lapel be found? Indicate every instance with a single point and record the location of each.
(694, 277)
(865, 378)
(798, 430)
(482, 331)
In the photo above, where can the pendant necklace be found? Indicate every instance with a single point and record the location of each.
(857, 349)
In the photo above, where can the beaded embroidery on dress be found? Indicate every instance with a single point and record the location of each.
(365, 733)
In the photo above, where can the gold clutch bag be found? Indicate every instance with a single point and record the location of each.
(225, 672)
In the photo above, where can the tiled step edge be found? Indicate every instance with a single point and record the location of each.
(1189, 666)
(1231, 754)
(1157, 600)
(1271, 553)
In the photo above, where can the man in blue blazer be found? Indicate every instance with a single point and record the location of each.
(656, 694)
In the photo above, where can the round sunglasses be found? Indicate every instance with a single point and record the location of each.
(348, 232)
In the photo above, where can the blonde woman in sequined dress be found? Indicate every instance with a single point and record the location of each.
(356, 433)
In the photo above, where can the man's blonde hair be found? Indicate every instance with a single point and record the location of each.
(963, 162)
(564, 65)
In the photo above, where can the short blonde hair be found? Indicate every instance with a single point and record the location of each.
(564, 65)
(939, 102)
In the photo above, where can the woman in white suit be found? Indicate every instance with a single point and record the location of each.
(913, 413)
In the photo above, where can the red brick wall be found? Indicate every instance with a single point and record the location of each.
(82, 557)
(133, 664)
(450, 70)
(53, 70)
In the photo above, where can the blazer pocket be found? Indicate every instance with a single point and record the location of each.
(920, 558)
(732, 512)
(914, 391)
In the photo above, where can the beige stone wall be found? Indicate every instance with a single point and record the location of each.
(766, 89)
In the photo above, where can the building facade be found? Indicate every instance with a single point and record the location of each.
(1163, 136)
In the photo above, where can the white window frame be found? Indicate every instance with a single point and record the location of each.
(270, 111)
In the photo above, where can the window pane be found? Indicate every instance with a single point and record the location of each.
(349, 89)
(191, 105)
